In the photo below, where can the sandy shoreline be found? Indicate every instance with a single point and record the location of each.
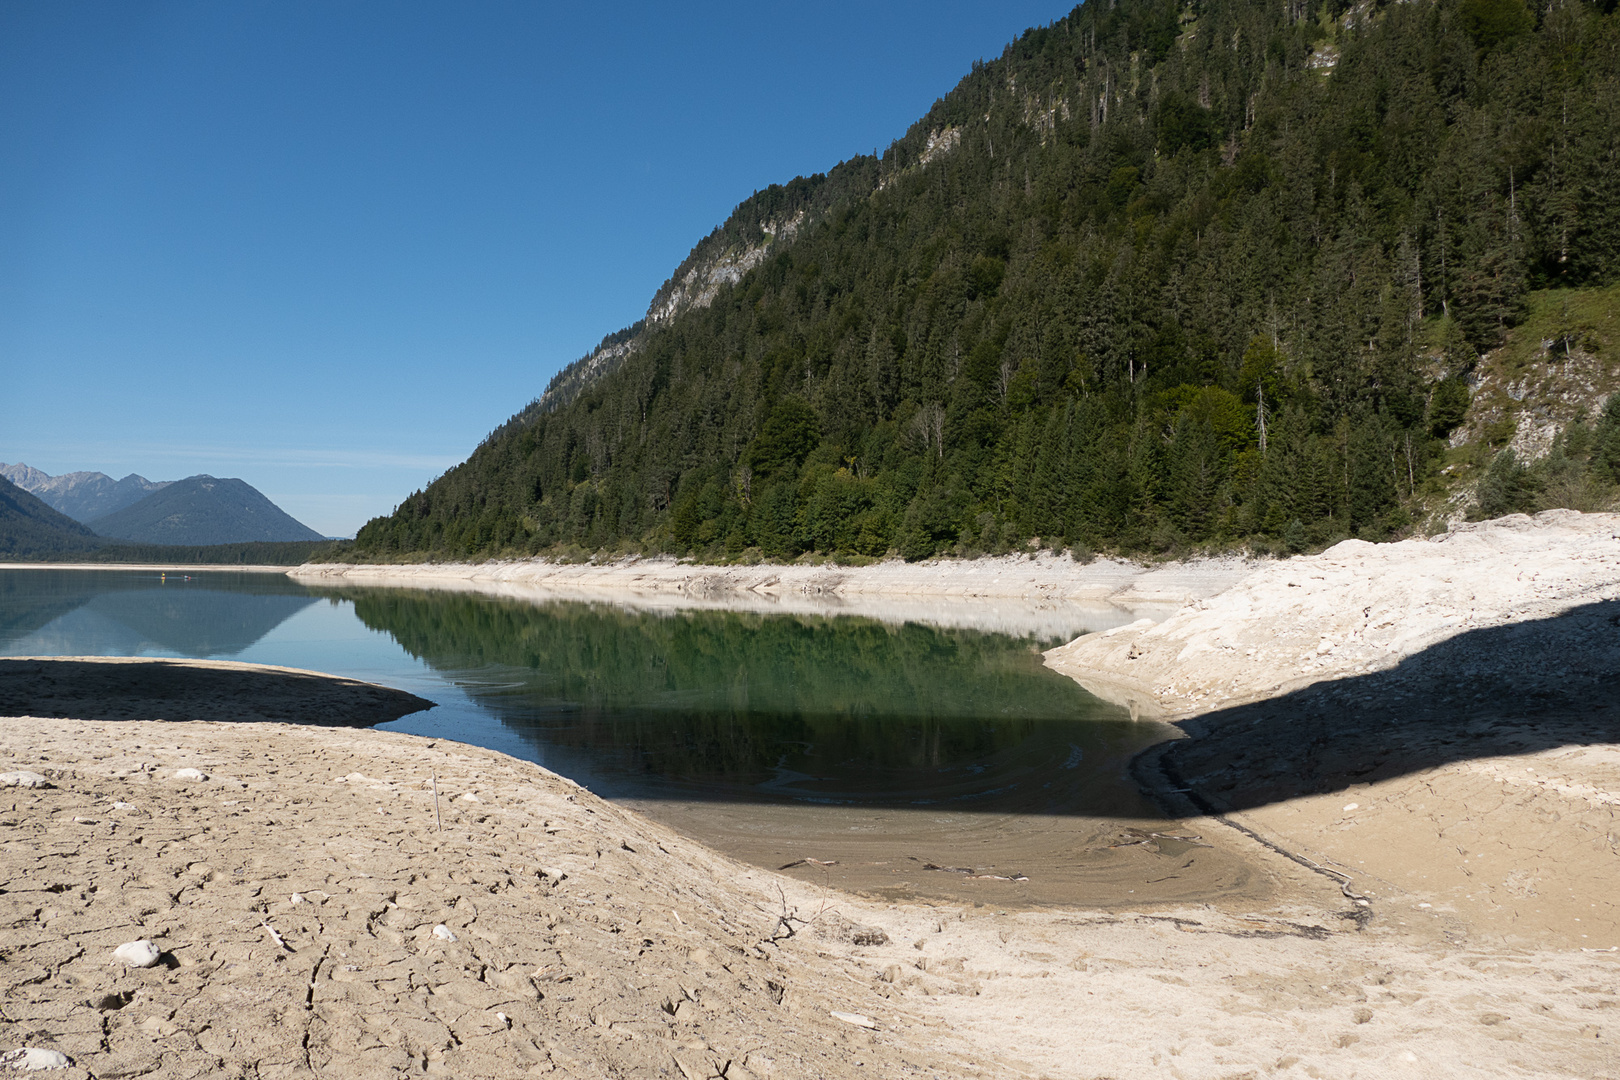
(1041, 576)
(580, 939)
(1425, 806)
(168, 568)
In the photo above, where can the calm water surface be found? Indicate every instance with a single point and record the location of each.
(718, 706)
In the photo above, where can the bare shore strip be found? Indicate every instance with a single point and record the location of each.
(331, 902)
(1045, 596)
(1041, 576)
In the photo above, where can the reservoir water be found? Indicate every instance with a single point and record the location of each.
(767, 734)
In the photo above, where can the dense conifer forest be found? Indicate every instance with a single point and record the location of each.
(1162, 275)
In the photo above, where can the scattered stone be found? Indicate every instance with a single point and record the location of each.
(470, 797)
(298, 898)
(33, 1059)
(123, 806)
(24, 778)
(190, 774)
(444, 933)
(855, 1018)
(139, 954)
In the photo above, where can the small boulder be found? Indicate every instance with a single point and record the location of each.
(444, 933)
(190, 774)
(140, 954)
(23, 778)
(33, 1059)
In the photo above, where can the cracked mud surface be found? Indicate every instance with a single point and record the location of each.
(592, 942)
(587, 942)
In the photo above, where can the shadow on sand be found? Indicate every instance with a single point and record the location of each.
(1517, 689)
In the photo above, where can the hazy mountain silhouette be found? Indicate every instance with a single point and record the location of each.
(204, 510)
(82, 496)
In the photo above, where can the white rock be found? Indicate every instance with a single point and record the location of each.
(123, 806)
(855, 1018)
(470, 797)
(1352, 806)
(23, 778)
(33, 1059)
(141, 954)
(553, 873)
(298, 898)
(190, 774)
(443, 933)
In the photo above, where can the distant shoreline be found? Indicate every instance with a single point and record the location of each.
(1038, 577)
(176, 568)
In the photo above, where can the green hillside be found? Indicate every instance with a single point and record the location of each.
(205, 510)
(1161, 275)
(31, 529)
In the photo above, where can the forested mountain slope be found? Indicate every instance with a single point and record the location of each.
(1160, 275)
(28, 527)
(205, 510)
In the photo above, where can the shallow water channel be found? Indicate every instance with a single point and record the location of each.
(906, 752)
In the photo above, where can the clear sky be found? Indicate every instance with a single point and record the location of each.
(327, 247)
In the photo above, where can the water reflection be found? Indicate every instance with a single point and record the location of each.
(737, 705)
(132, 613)
(646, 701)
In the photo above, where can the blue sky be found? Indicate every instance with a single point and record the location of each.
(327, 247)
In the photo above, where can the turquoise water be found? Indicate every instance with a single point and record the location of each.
(692, 705)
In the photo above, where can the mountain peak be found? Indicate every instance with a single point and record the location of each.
(204, 509)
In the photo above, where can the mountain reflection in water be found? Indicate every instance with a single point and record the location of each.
(136, 612)
(727, 705)
(708, 705)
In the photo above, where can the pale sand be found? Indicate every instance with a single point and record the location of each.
(654, 956)
(1042, 576)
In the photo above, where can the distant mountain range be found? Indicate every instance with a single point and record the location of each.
(203, 510)
(199, 510)
(82, 496)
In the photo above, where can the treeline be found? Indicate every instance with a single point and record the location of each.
(1160, 275)
(50, 549)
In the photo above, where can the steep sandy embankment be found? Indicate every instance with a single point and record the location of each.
(1355, 608)
(1436, 721)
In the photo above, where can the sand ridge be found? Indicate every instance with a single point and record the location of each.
(1353, 609)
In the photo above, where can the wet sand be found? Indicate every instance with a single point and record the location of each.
(140, 688)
